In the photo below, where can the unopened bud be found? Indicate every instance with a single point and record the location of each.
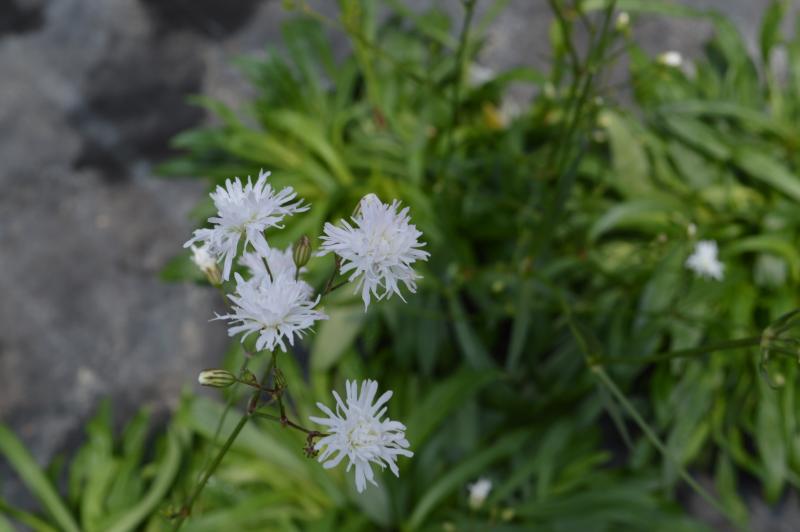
(671, 59)
(207, 264)
(301, 252)
(216, 378)
(279, 379)
(623, 21)
(248, 377)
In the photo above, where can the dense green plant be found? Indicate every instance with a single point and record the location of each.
(556, 282)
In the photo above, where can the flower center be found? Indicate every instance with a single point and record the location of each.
(363, 434)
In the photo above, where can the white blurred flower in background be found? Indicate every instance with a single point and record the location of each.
(478, 492)
(704, 261)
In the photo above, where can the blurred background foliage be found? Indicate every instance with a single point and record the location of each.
(558, 227)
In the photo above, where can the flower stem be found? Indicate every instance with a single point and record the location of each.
(455, 100)
(283, 420)
(681, 353)
(334, 274)
(186, 510)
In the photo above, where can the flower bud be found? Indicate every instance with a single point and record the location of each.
(248, 377)
(671, 59)
(217, 378)
(623, 21)
(207, 264)
(301, 252)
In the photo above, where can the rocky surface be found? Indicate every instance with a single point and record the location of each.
(91, 94)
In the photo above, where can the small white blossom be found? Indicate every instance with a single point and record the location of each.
(379, 248)
(704, 261)
(245, 211)
(206, 263)
(671, 59)
(281, 264)
(478, 492)
(356, 431)
(276, 309)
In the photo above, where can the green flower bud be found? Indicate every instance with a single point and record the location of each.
(301, 252)
(249, 378)
(217, 378)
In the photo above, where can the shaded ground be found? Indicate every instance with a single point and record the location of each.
(91, 93)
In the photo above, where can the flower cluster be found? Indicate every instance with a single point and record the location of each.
(272, 302)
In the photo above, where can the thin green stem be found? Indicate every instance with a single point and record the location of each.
(287, 423)
(455, 100)
(228, 405)
(603, 377)
(231, 396)
(186, 510)
(681, 353)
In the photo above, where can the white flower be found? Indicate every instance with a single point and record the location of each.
(379, 249)
(281, 264)
(206, 263)
(478, 492)
(357, 432)
(671, 59)
(276, 309)
(704, 261)
(245, 210)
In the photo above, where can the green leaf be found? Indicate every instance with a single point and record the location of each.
(630, 167)
(471, 346)
(443, 400)
(776, 244)
(165, 475)
(695, 133)
(770, 441)
(770, 35)
(33, 477)
(33, 522)
(519, 329)
(374, 502)
(336, 335)
(648, 215)
(308, 131)
(753, 119)
(764, 168)
(458, 476)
